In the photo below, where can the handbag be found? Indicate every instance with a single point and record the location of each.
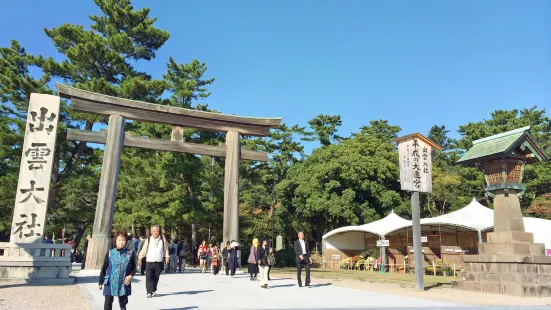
(271, 260)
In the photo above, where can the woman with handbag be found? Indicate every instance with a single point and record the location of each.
(263, 254)
(253, 260)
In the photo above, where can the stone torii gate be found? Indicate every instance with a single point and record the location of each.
(118, 110)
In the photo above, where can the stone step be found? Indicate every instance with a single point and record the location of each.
(504, 258)
(518, 248)
(509, 278)
(514, 289)
(510, 236)
(508, 268)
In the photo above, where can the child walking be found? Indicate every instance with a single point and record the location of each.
(117, 272)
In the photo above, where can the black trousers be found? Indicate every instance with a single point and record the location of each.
(152, 275)
(108, 305)
(142, 269)
(269, 268)
(305, 263)
(233, 272)
(227, 269)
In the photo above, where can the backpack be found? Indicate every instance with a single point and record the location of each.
(172, 250)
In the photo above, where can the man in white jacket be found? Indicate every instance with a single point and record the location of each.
(155, 251)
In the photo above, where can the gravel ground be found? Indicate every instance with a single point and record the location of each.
(441, 294)
(21, 295)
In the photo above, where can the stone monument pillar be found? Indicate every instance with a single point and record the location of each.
(510, 262)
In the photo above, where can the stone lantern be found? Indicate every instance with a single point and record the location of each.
(510, 262)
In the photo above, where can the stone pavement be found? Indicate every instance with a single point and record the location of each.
(193, 290)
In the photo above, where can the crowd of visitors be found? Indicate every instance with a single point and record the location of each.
(155, 254)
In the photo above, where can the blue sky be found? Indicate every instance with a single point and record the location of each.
(415, 63)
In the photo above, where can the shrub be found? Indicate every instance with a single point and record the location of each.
(286, 258)
(316, 260)
(371, 252)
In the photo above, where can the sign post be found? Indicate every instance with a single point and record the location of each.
(382, 244)
(416, 176)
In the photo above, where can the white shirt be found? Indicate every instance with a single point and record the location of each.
(155, 253)
(303, 246)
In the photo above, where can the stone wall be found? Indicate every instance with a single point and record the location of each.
(35, 261)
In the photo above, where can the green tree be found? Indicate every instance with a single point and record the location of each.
(349, 183)
(259, 200)
(541, 207)
(99, 60)
(325, 128)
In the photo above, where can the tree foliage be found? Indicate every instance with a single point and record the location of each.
(348, 180)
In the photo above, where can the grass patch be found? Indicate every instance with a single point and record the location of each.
(403, 279)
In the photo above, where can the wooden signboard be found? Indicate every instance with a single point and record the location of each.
(416, 163)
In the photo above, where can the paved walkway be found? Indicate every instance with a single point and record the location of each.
(193, 290)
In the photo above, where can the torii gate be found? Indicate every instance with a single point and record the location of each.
(119, 109)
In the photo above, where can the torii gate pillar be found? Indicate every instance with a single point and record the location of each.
(231, 187)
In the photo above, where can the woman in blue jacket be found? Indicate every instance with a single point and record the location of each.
(117, 272)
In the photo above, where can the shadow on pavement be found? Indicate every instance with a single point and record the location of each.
(95, 279)
(321, 285)
(436, 285)
(282, 285)
(185, 293)
(30, 283)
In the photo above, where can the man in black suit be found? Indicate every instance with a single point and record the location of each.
(303, 258)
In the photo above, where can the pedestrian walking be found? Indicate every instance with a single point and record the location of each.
(209, 258)
(226, 258)
(263, 253)
(183, 249)
(234, 257)
(119, 267)
(253, 260)
(303, 259)
(203, 254)
(215, 259)
(173, 252)
(194, 257)
(155, 251)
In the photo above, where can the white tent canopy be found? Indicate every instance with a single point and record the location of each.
(380, 227)
(474, 216)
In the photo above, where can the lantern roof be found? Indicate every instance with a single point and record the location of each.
(502, 145)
